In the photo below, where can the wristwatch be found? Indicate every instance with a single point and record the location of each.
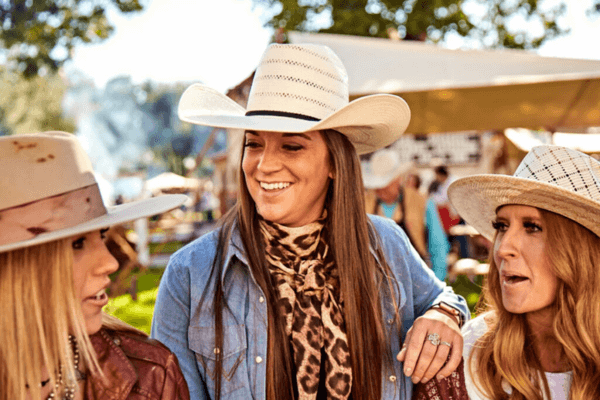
(450, 311)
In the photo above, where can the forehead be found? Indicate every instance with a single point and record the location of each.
(519, 211)
(268, 134)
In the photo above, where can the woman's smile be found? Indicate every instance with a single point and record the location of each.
(287, 175)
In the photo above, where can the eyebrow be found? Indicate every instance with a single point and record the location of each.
(288, 134)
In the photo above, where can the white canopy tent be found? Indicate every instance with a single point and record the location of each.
(525, 139)
(461, 90)
(169, 180)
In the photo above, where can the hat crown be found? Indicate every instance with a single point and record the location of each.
(41, 165)
(562, 167)
(303, 80)
(384, 162)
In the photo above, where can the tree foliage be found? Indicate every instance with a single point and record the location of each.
(38, 35)
(32, 105)
(493, 23)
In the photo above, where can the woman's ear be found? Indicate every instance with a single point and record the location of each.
(331, 175)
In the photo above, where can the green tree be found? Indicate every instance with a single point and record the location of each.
(494, 23)
(38, 35)
(32, 105)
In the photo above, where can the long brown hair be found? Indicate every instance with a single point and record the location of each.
(505, 350)
(362, 279)
(39, 310)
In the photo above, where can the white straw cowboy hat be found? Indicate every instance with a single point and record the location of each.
(552, 178)
(48, 192)
(300, 88)
(383, 168)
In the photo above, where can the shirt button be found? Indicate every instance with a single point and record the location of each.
(258, 359)
(261, 299)
(390, 321)
(392, 378)
(216, 350)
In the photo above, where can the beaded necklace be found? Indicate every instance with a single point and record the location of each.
(69, 391)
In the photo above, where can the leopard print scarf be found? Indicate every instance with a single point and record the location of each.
(307, 281)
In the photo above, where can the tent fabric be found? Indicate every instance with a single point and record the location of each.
(460, 90)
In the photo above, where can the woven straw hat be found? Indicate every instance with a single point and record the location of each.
(48, 192)
(552, 178)
(383, 168)
(301, 88)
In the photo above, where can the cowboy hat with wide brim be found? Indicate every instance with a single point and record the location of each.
(553, 178)
(49, 192)
(383, 168)
(301, 88)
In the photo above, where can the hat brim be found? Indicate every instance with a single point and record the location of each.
(372, 181)
(476, 199)
(370, 122)
(115, 215)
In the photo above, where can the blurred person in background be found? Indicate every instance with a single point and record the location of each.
(404, 205)
(299, 294)
(539, 335)
(54, 270)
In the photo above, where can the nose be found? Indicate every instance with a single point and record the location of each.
(507, 244)
(270, 160)
(106, 263)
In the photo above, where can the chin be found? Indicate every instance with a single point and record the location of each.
(93, 324)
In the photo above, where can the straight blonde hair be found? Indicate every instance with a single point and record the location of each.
(39, 311)
(505, 351)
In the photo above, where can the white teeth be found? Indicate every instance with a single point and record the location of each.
(100, 294)
(274, 186)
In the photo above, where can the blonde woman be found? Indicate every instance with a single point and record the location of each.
(540, 335)
(55, 341)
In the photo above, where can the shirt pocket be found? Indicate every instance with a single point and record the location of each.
(234, 374)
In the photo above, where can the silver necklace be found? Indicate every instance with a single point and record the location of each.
(69, 393)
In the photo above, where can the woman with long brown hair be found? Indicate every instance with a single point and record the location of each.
(299, 294)
(55, 341)
(540, 335)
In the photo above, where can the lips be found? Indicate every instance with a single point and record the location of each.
(274, 185)
(512, 278)
(99, 299)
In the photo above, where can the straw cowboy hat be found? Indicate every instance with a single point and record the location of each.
(48, 192)
(300, 88)
(552, 178)
(384, 167)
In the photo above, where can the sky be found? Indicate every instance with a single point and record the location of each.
(219, 42)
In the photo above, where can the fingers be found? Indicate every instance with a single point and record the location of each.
(454, 360)
(402, 355)
(414, 345)
(424, 358)
(427, 370)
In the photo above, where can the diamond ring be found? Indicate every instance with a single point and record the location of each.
(434, 338)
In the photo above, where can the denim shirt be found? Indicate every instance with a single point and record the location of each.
(188, 330)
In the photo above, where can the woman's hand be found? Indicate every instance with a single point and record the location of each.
(422, 357)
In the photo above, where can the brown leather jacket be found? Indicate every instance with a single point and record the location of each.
(136, 368)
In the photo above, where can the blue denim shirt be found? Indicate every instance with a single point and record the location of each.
(188, 330)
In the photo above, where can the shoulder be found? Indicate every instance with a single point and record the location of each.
(157, 370)
(386, 228)
(139, 346)
(473, 330)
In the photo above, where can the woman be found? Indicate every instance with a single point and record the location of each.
(299, 294)
(540, 336)
(54, 270)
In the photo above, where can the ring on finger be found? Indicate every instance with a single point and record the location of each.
(446, 343)
(434, 339)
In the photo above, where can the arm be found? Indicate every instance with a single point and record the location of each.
(422, 359)
(171, 321)
(423, 355)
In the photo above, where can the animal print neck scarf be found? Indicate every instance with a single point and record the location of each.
(307, 281)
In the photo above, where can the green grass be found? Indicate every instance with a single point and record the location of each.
(139, 312)
(469, 290)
